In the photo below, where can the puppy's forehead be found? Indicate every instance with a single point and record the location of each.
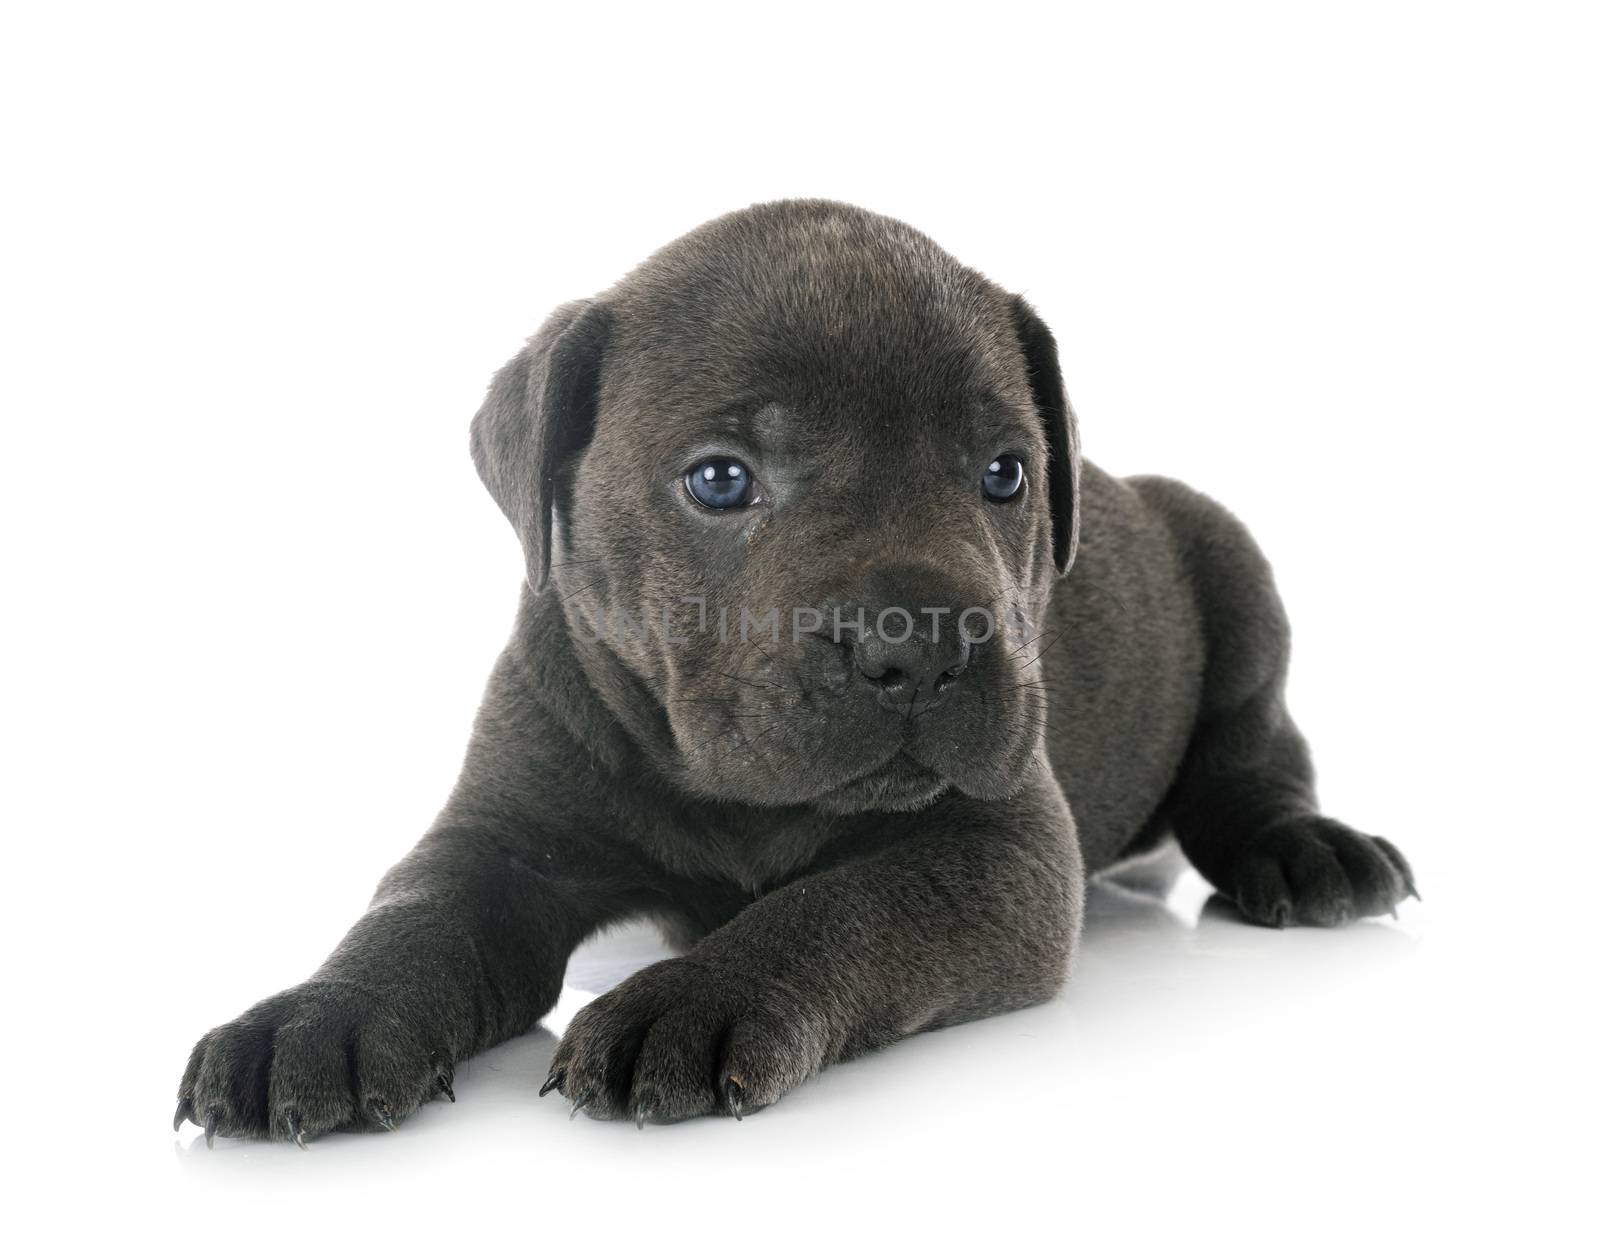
(814, 311)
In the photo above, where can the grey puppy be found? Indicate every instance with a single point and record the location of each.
(857, 821)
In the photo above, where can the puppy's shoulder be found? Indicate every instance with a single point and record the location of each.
(1210, 538)
(1247, 631)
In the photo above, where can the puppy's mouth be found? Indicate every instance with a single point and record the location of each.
(900, 784)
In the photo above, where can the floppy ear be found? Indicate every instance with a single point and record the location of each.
(1060, 428)
(539, 412)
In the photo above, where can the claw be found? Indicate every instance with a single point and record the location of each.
(445, 1074)
(733, 1098)
(213, 1115)
(639, 1118)
(553, 1081)
(185, 1111)
(577, 1105)
(297, 1134)
(1411, 889)
(382, 1113)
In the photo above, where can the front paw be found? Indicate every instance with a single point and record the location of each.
(320, 1056)
(683, 1038)
(1318, 872)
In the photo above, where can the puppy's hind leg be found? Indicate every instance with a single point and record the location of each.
(1244, 805)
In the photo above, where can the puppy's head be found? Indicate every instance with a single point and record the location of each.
(801, 482)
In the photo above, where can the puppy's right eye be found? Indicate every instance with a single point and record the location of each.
(720, 482)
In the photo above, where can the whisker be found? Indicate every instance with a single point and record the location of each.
(1012, 654)
(754, 684)
(751, 738)
(574, 594)
(1043, 650)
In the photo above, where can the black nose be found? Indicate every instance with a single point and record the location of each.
(908, 650)
(916, 668)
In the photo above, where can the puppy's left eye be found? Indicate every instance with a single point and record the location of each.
(719, 482)
(1003, 479)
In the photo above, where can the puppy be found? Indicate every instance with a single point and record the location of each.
(836, 660)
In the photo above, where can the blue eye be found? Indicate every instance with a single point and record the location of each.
(1003, 479)
(719, 482)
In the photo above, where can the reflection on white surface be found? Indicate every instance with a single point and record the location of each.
(1245, 1062)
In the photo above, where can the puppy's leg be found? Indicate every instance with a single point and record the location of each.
(464, 945)
(930, 918)
(1244, 805)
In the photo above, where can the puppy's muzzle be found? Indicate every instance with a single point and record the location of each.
(904, 640)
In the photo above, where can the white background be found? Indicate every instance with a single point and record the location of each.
(1337, 268)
